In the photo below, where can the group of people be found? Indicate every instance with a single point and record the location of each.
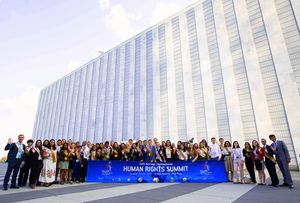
(42, 161)
(257, 156)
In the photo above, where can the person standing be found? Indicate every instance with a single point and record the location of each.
(182, 153)
(15, 159)
(159, 156)
(168, 151)
(149, 151)
(36, 161)
(174, 152)
(106, 151)
(77, 161)
(193, 152)
(124, 154)
(48, 171)
(270, 163)
(226, 153)
(71, 163)
(214, 150)
(99, 153)
(203, 151)
(238, 163)
(64, 163)
(221, 145)
(59, 144)
(86, 157)
(134, 153)
(115, 152)
(139, 148)
(24, 170)
(93, 153)
(258, 153)
(283, 159)
(249, 161)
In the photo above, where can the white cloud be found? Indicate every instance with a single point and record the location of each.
(163, 10)
(121, 22)
(103, 4)
(17, 114)
(124, 23)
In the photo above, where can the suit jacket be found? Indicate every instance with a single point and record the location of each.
(282, 152)
(270, 151)
(13, 151)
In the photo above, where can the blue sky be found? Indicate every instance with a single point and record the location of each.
(43, 40)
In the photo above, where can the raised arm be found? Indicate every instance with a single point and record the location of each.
(196, 157)
(9, 144)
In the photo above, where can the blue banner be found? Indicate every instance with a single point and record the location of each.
(133, 171)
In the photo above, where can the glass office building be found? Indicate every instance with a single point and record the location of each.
(218, 68)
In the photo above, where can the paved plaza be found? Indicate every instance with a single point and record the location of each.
(153, 192)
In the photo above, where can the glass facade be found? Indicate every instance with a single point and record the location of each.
(173, 81)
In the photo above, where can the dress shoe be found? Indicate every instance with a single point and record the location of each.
(32, 186)
(291, 187)
(4, 188)
(14, 187)
(284, 185)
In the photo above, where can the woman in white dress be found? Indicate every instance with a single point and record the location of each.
(49, 154)
(238, 163)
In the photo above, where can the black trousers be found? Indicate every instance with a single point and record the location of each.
(272, 171)
(13, 166)
(35, 171)
(250, 168)
(23, 176)
(83, 170)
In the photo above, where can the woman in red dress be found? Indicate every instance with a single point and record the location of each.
(259, 153)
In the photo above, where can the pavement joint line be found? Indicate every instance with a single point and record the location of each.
(205, 192)
(167, 189)
(107, 192)
(41, 188)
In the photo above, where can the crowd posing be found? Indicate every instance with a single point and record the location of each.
(43, 161)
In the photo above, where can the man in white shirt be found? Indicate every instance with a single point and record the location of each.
(86, 156)
(214, 149)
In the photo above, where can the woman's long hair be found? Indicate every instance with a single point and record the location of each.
(36, 145)
(46, 144)
(247, 143)
(256, 143)
(233, 145)
(54, 145)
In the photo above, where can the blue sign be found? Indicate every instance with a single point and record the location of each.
(133, 171)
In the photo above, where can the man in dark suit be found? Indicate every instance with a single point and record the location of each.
(283, 159)
(270, 163)
(15, 159)
(24, 171)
